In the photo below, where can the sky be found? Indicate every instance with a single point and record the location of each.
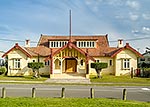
(120, 19)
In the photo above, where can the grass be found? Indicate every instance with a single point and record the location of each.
(124, 80)
(69, 102)
(23, 78)
(106, 80)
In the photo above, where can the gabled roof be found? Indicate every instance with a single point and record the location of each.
(31, 51)
(39, 50)
(18, 48)
(118, 50)
(102, 40)
(71, 45)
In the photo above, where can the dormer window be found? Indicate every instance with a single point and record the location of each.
(86, 44)
(57, 44)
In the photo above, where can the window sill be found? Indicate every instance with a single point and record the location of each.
(126, 69)
(15, 69)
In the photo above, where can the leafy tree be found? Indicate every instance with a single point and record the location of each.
(3, 70)
(98, 67)
(35, 66)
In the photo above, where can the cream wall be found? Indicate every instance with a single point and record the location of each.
(108, 70)
(125, 54)
(24, 70)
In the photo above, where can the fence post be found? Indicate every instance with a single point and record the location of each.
(124, 94)
(132, 72)
(3, 92)
(91, 93)
(33, 92)
(63, 93)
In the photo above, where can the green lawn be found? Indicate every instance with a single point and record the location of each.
(69, 102)
(124, 80)
(106, 80)
(23, 78)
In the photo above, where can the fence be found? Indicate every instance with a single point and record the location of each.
(63, 92)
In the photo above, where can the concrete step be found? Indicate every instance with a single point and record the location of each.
(80, 81)
(68, 76)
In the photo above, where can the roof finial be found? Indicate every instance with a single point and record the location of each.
(69, 25)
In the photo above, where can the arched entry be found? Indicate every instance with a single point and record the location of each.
(70, 65)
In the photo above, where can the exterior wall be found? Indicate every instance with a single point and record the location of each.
(23, 70)
(108, 70)
(68, 54)
(125, 54)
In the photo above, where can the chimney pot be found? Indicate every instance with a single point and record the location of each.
(127, 44)
(27, 43)
(120, 43)
(16, 44)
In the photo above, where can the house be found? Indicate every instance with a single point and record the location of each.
(2, 60)
(72, 55)
(146, 58)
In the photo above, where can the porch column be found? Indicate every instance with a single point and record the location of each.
(51, 64)
(61, 61)
(87, 64)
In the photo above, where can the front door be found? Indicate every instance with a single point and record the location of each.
(71, 65)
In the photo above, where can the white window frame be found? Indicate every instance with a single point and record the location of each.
(86, 44)
(126, 63)
(47, 63)
(57, 44)
(17, 63)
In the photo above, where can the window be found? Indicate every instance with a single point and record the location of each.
(57, 64)
(47, 63)
(33, 60)
(81, 63)
(126, 63)
(57, 44)
(148, 59)
(86, 44)
(110, 63)
(97, 60)
(142, 59)
(16, 63)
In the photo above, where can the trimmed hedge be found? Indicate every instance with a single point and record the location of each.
(99, 66)
(35, 65)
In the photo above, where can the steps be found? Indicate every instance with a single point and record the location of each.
(68, 78)
(65, 80)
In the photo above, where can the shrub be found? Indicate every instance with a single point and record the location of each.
(3, 70)
(35, 66)
(98, 67)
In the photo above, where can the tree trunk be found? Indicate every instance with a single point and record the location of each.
(98, 73)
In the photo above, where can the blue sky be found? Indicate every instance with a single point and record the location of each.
(120, 19)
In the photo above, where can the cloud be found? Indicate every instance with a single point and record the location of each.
(146, 16)
(133, 16)
(143, 31)
(133, 4)
(146, 29)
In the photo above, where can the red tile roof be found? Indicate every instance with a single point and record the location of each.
(39, 50)
(101, 40)
(102, 46)
(18, 48)
(127, 46)
(31, 51)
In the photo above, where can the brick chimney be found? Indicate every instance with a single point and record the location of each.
(27, 43)
(120, 43)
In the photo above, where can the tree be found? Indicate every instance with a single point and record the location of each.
(35, 66)
(98, 67)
